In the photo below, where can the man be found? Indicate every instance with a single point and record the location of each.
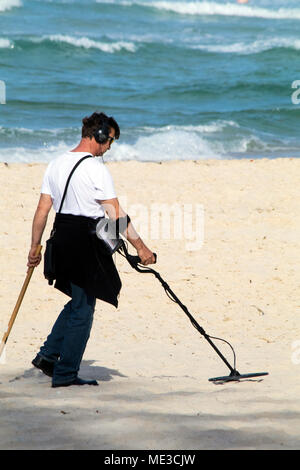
(82, 271)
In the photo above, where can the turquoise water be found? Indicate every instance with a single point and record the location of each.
(184, 79)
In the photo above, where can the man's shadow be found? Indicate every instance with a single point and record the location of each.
(88, 371)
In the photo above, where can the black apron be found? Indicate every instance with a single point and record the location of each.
(80, 260)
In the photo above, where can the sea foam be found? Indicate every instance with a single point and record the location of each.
(6, 44)
(9, 4)
(214, 140)
(87, 43)
(214, 8)
(251, 48)
(152, 144)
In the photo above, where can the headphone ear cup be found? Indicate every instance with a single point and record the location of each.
(100, 136)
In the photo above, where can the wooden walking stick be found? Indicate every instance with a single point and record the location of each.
(18, 304)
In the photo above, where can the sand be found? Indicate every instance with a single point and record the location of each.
(241, 284)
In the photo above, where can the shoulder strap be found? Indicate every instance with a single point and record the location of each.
(68, 180)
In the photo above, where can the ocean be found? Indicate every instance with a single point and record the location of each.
(184, 79)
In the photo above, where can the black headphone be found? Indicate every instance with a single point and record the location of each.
(102, 134)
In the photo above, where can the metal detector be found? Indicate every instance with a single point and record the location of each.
(234, 375)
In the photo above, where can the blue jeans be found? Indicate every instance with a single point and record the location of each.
(67, 341)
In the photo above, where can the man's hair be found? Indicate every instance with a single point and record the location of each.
(96, 121)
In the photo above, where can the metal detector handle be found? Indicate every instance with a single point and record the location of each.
(135, 260)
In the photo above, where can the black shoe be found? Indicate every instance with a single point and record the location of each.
(44, 365)
(77, 381)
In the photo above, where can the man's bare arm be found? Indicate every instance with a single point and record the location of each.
(38, 227)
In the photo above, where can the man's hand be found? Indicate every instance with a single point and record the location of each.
(146, 256)
(33, 260)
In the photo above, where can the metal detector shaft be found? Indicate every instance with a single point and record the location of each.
(192, 319)
(133, 261)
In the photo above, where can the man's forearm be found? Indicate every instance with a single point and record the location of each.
(40, 219)
(115, 212)
(133, 237)
(38, 227)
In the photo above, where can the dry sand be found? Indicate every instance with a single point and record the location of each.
(152, 365)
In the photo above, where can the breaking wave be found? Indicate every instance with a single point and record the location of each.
(214, 8)
(6, 5)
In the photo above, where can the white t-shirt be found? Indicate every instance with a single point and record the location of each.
(91, 181)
